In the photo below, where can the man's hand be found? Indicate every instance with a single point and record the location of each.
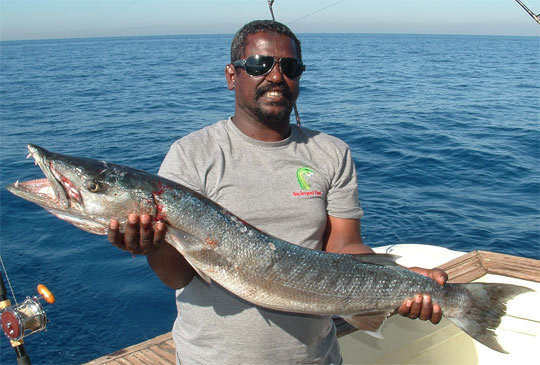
(139, 237)
(421, 306)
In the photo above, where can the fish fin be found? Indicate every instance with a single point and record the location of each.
(487, 306)
(201, 274)
(384, 259)
(185, 242)
(370, 322)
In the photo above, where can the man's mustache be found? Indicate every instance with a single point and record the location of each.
(280, 88)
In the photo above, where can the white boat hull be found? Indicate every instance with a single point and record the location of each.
(418, 342)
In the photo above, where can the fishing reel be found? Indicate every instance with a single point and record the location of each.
(27, 317)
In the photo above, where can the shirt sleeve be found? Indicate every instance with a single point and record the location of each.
(178, 168)
(342, 200)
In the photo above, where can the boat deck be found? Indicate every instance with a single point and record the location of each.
(156, 351)
(471, 266)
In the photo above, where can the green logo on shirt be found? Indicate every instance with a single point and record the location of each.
(301, 174)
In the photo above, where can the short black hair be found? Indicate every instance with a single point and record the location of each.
(240, 39)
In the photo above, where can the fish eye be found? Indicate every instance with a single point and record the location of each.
(93, 186)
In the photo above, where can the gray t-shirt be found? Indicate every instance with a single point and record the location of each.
(284, 188)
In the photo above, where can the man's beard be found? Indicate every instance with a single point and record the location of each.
(271, 118)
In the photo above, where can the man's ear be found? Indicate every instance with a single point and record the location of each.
(230, 76)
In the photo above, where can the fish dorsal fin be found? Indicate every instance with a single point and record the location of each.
(384, 259)
(369, 322)
(185, 242)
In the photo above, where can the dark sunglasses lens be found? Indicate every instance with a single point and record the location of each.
(259, 65)
(292, 67)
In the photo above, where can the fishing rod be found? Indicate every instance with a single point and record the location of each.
(270, 4)
(533, 15)
(295, 108)
(21, 320)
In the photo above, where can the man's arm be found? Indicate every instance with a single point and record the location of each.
(141, 239)
(344, 236)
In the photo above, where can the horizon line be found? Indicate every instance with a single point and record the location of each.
(232, 34)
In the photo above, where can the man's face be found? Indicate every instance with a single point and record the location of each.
(268, 98)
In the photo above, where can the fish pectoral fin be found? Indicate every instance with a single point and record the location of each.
(370, 322)
(201, 274)
(385, 259)
(185, 243)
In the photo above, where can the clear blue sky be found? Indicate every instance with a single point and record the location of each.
(37, 19)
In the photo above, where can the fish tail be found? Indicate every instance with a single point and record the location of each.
(484, 305)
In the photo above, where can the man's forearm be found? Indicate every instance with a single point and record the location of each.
(170, 266)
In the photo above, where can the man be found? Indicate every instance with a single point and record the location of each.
(291, 182)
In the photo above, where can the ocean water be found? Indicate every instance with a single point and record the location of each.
(444, 131)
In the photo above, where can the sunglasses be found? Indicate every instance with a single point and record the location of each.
(262, 65)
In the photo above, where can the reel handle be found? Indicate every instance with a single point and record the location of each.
(46, 293)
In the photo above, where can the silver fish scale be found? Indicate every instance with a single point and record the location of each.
(276, 274)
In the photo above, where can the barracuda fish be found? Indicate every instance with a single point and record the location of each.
(260, 268)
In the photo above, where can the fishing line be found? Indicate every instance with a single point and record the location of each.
(270, 4)
(8, 281)
(316, 11)
(295, 108)
(116, 11)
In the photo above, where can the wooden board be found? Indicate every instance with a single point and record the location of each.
(476, 264)
(156, 351)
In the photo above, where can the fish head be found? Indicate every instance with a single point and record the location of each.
(86, 192)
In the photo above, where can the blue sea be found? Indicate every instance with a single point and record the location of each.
(444, 130)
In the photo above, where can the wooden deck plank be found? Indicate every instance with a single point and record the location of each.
(137, 358)
(162, 344)
(164, 353)
(147, 356)
(121, 361)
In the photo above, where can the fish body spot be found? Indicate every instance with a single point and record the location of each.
(211, 242)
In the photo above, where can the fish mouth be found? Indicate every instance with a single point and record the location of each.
(54, 191)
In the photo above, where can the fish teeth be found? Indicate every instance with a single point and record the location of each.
(16, 184)
(31, 155)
